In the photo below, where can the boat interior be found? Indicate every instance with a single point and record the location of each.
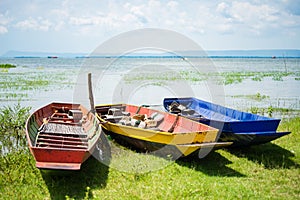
(64, 128)
(142, 117)
(195, 108)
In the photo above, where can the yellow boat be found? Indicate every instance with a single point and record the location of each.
(161, 133)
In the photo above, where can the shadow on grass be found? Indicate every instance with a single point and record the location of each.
(270, 155)
(76, 184)
(213, 164)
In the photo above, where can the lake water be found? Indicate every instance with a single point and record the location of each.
(240, 83)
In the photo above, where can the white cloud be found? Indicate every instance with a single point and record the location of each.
(226, 17)
(172, 4)
(83, 20)
(154, 4)
(246, 12)
(249, 18)
(39, 24)
(3, 29)
(223, 9)
(4, 21)
(292, 6)
(95, 19)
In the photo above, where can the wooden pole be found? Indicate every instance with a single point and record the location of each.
(91, 97)
(174, 124)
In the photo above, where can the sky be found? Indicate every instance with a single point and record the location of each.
(73, 26)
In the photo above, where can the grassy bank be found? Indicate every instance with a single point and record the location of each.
(269, 171)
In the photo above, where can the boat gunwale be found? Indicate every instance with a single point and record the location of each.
(235, 120)
(263, 133)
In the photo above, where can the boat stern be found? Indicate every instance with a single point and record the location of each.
(58, 166)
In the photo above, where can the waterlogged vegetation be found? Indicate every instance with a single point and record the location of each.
(273, 108)
(7, 66)
(238, 77)
(22, 84)
(225, 78)
(271, 111)
(257, 96)
(268, 171)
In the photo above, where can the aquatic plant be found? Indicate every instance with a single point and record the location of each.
(238, 77)
(13, 96)
(7, 66)
(227, 78)
(260, 97)
(254, 110)
(270, 111)
(257, 96)
(30, 81)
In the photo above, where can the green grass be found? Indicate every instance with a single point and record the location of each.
(268, 171)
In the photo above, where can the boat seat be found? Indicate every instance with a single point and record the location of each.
(61, 136)
(63, 146)
(115, 115)
(43, 140)
(62, 129)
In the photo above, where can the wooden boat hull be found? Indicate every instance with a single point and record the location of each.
(188, 136)
(60, 141)
(241, 128)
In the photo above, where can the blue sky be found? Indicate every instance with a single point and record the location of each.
(80, 26)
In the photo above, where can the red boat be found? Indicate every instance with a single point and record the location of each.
(63, 135)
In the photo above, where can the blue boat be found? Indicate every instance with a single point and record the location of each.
(241, 128)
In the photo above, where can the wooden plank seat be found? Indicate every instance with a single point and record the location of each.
(61, 136)
(55, 141)
(62, 146)
(62, 129)
(64, 137)
(72, 118)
